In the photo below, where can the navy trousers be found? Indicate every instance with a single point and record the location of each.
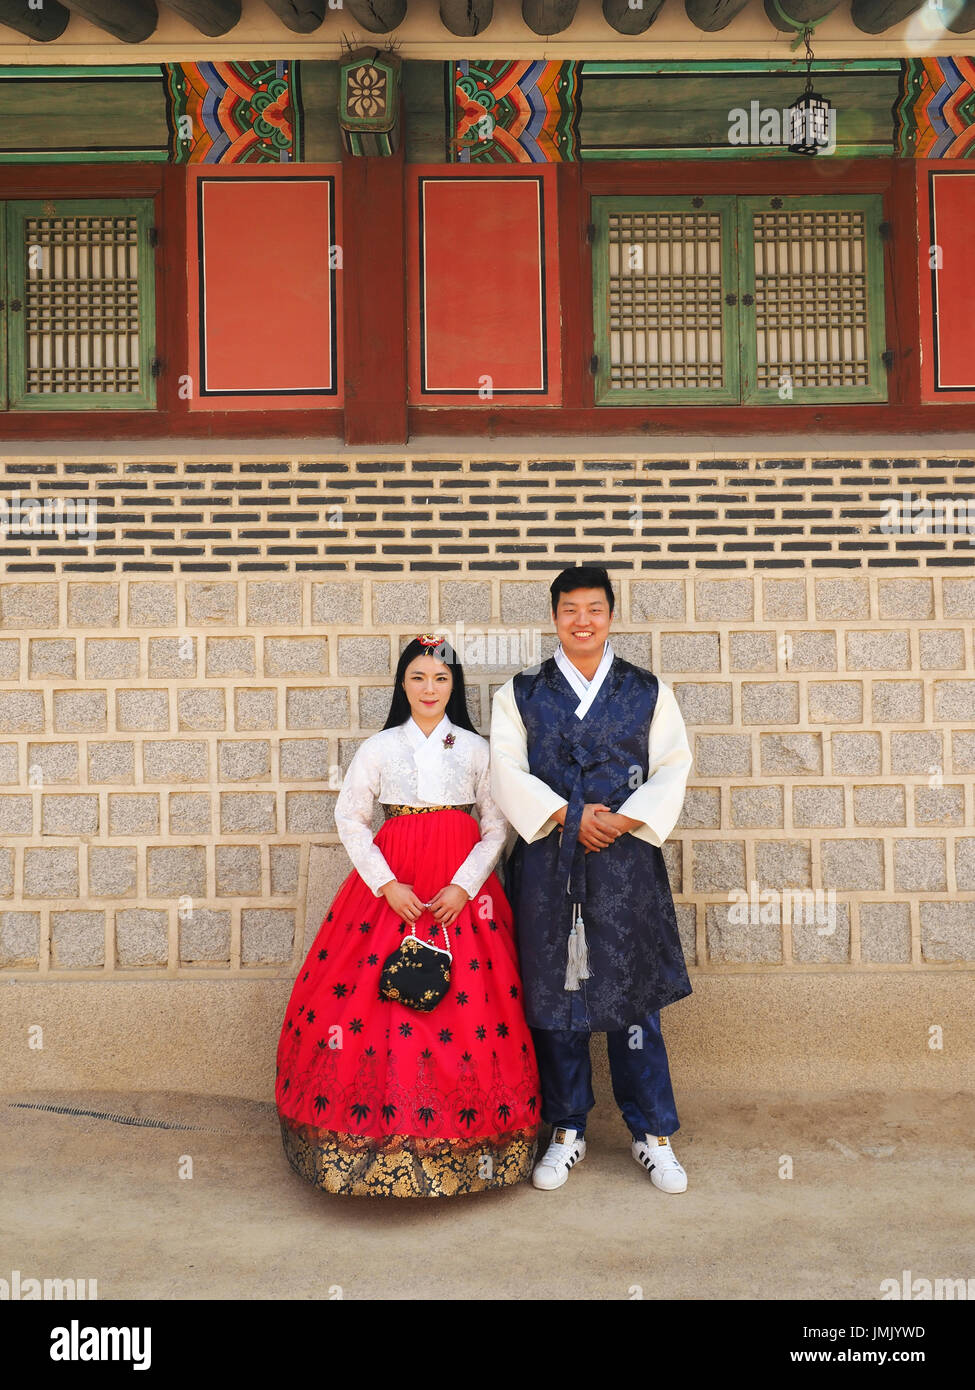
(638, 1067)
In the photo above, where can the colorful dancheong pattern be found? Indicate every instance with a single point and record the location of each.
(936, 111)
(513, 112)
(231, 113)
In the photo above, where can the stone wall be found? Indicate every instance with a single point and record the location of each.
(179, 696)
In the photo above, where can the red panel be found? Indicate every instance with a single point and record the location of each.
(484, 315)
(263, 298)
(947, 215)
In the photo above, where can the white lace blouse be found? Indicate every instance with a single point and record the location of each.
(403, 766)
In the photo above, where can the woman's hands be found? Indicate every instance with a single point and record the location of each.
(445, 907)
(402, 900)
(447, 904)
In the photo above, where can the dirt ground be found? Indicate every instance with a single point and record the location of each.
(880, 1184)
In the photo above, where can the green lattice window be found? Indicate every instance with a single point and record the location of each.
(725, 299)
(79, 319)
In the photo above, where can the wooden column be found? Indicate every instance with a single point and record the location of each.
(876, 16)
(210, 17)
(300, 16)
(466, 17)
(711, 15)
(128, 20)
(631, 20)
(575, 287)
(964, 21)
(378, 16)
(548, 16)
(902, 298)
(802, 11)
(43, 25)
(373, 241)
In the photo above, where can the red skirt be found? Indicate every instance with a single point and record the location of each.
(378, 1098)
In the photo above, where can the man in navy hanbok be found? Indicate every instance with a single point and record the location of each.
(589, 762)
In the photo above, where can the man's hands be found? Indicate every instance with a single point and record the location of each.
(445, 907)
(600, 826)
(621, 823)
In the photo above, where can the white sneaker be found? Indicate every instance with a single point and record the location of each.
(552, 1169)
(656, 1155)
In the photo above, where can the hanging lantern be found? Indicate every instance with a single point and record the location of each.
(810, 123)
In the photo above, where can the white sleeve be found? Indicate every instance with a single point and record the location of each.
(526, 801)
(494, 830)
(658, 801)
(353, 818)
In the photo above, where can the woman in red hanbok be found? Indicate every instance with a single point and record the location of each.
(375, 1097)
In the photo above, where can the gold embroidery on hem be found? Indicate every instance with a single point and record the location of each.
(392, 809)
(406, 1165)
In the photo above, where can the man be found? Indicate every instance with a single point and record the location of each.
(589, 762)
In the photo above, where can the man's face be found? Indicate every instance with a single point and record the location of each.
(582, 621)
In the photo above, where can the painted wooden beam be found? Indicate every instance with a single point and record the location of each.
(802, 11)
(548, 16)
(378, 16)
(876, 16)
(466, 17)
(631, 16)
(210, 17)
(711, 15)
(300, 16)
(42, 25)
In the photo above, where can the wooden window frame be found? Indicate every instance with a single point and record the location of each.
(739, 352)
(871, 205)
(15, 396)
(729, 394)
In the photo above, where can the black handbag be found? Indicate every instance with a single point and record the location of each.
(417, 973)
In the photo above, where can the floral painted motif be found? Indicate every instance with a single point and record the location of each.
(366, 91)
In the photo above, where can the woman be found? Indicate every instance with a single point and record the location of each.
(375, 1097)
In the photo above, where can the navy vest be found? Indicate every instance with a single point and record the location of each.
(635, 957)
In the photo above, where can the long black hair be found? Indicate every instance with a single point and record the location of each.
(456, 710)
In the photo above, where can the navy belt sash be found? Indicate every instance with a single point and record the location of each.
(581, 757)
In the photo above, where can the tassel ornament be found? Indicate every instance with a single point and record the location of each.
(577, 962)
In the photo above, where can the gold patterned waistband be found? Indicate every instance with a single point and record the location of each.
(392, 810)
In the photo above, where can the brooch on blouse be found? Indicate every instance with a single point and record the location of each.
(448, 741)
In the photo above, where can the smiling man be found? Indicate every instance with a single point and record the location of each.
(589, 762)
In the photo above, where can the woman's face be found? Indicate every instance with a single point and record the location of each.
(428, 684)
